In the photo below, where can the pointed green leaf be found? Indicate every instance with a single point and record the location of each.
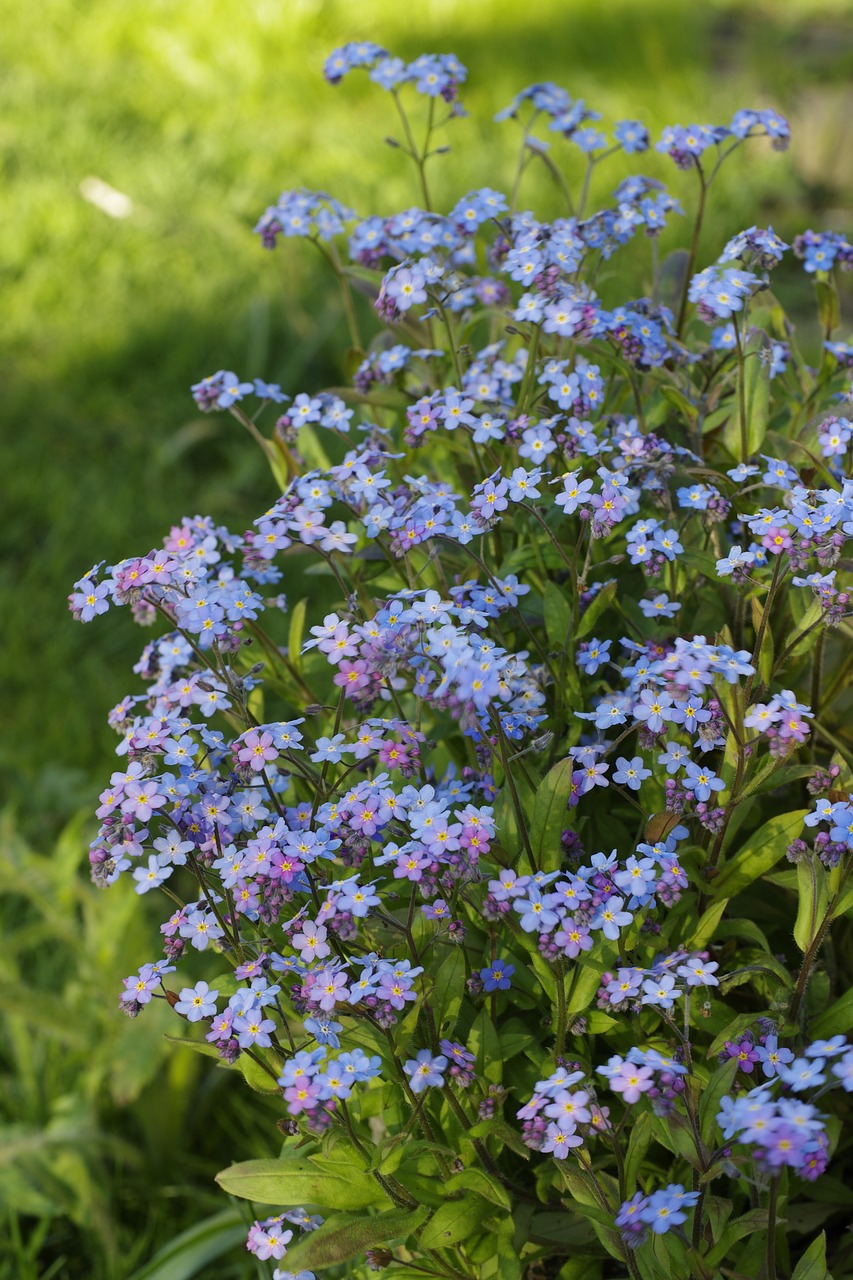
(295, 1181)
(585, 983)
(679, 401)
(297, 628)
(449, 988)
(184, 1256)
(828, 307)
(754, 395)
(200, 1046)
(454, 1220)
(812, 1265)
(255, 1075)
(753, 1223)
(558, 614)
(764, 848)
(638, 1145)
(721, 1082)
(343, 1237)
(596, 608)
(484, 1184)
(837, 1020)
(707, 924)
(497, 1128)
(813, 893)
(484, 1044)
(550, 815)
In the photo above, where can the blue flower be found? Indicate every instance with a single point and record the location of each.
(497, 975)
(425, 1071)
(631, 773)
(594, 654)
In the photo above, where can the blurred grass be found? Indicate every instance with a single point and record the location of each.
(108, 1138)
(200, 114)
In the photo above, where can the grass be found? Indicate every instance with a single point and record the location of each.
(108, 1138)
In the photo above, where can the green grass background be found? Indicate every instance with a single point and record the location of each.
(201, 112)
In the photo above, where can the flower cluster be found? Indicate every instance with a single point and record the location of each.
(780, 1130)
(552, 557)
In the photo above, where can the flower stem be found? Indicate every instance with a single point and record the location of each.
(694, 248)
(770, 1267)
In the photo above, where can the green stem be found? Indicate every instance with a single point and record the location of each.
(817, 673)
(772, 1201)
(529, 371)
(346, 295)
(266, 446)
(694, 248)
(741, 393)
(590, 165)
(413, 150)
(451, 342)
(762, 627)
(562, 1010)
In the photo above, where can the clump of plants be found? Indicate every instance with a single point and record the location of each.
(497, 779)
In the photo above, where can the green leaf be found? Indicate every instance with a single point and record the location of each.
(561, 1228)
(828, 307)
(813, 891)
(700, 562)
(543, 972)
(771, 776)
(297, 628)
(550, 815)
(611, 1239)
(707, 924)
(836, 1020)
(449, 988)
(743, 929)
(731, 1031)
(680, 401)
(514, 1038)
(764, 848)
(484, 1184)
(812, 1265)
(721, 1083)
(638, 1145)
(754, 393)
(385, 398)
(454, 1220)
(718, 418)
(799, 640)
(255, 1075)
(184, 1256)
(502, 1265)
(343, 1237)
(747, 1225)
(504, 1132)
(583, 988)
(295, 1181)
(674, 1133)
(595, 609)
(558, 615)
(200, 1046)
(484, 1044)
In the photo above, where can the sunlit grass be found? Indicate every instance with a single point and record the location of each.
(199, 114)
